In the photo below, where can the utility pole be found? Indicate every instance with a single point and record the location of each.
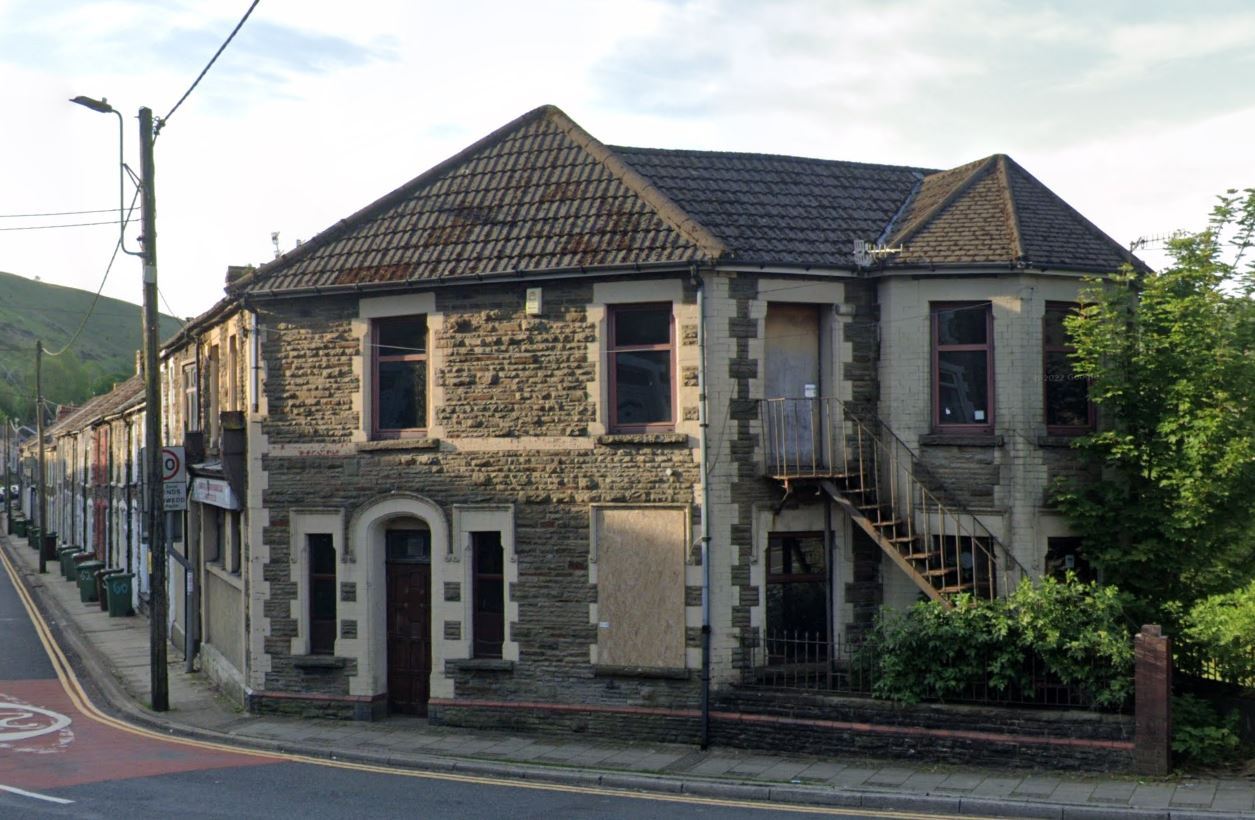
(8, 481)
(152, 421)
(42, 501)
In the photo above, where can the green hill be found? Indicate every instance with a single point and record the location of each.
(103, 353)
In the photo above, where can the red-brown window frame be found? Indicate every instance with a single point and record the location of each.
(377, 358)
(937, 349)
(612, 350)
(1046, 350)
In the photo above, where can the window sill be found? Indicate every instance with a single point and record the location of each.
(399, 444)
(217, 570)
(961, 440)
(319, 662)
(659, 672)
(642, 439)
(479, 665)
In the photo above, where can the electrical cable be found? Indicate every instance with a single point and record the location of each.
(57, 213)
(68, 225)
(108, 268)
(161, 123)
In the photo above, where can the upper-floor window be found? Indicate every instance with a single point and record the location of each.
(400, 375)
(233, 364)
(640, 353)
(212, 396)
(191, 398)
(1068, 408)
(963, 373)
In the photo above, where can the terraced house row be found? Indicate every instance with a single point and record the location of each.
(567, 434)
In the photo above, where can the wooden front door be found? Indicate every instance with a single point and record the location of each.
(409, 620)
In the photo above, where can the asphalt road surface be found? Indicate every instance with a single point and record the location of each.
(60, 757)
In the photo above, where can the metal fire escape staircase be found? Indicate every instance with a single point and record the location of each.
(879, 482)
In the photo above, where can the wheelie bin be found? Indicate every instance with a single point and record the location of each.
(87, 580)
(118, 590)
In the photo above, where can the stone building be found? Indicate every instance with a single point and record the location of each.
(567, 434)
(527, 432)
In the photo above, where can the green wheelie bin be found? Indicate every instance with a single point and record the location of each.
(87, 580)
(118, 590)
(67, 565)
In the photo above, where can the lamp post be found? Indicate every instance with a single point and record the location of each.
(152, 398)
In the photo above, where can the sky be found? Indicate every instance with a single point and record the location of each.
(1136, 112)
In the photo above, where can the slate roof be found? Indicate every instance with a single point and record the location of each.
(541, 195)
(992, 211)
(123, 396)
(780, 210)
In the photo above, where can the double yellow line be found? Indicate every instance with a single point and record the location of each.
(72, 687)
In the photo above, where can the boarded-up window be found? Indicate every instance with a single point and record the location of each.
(640, 586)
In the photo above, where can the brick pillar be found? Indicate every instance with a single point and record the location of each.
(1152, 741)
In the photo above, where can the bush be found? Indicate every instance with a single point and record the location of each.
(1200, 735)
(1218, 634)
(1077, 630)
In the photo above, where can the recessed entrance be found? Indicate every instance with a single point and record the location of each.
(407, 545)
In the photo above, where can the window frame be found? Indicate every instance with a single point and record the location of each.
(934, 311)
(492, 646)
(613, 313)
(191, 397)
(322, 631)
(376, 359)
(1046, 349)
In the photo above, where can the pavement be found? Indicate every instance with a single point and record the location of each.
(113, 653)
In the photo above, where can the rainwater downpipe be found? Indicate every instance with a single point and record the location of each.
(704, 477)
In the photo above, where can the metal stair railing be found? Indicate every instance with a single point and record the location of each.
(867, 467)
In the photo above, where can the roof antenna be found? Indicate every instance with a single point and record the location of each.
(274, 237)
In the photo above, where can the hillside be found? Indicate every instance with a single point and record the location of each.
(104, 352)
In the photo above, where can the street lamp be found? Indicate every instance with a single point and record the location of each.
(152, 394)
(102, 106)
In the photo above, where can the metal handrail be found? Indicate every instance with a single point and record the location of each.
(824, 438)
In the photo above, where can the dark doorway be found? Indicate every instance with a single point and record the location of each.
(408, 568)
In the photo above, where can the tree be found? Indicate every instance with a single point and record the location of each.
(1170, 356)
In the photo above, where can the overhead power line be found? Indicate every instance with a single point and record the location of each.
(57, 213)
(67, 225)
(161, 123)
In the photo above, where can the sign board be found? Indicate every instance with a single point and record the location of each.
(174, 478)
(214, 491)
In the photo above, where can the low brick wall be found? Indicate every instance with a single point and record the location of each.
(612, 723)
(316, 706)
(821, 724)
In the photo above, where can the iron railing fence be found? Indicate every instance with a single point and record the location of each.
(809, 661)
(1234, 666)
(822, 439)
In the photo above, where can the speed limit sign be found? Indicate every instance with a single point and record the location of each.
(174, 478)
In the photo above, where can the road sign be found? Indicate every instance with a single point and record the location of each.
(174, 478)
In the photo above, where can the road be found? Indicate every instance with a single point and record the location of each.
(62, 757)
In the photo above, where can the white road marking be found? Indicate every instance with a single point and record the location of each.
(35, 795)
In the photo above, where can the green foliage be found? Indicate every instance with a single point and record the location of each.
(1200, 735)
(1171, 360)
(1077, 630)
(1220, 629)
(103, 354)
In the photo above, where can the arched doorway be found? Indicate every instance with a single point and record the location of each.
(407, 573)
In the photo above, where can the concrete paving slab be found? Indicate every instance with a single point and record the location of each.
(1116, 792)
(714, 765)
(852, 776)
(924, 782)
(752, 766)
(785, 771)
(1072, 791)
(821, 771)
(890, 776)
(960, 782)
(996, 786)
(1036, 786)
(1193, 795)
(1152, 796)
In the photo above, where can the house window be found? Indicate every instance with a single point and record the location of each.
(237, 541)
(640, 367)
(400, 368)
(797, 596)
(1068, 409)
(191, 399)
(233, 363)
(963, 379)
(322, 594)
(212, 395)
(487, 594)
(1064, 555)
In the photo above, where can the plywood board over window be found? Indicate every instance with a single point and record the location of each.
(640, 585)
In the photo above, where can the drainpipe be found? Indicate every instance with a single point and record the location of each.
(703, 424)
